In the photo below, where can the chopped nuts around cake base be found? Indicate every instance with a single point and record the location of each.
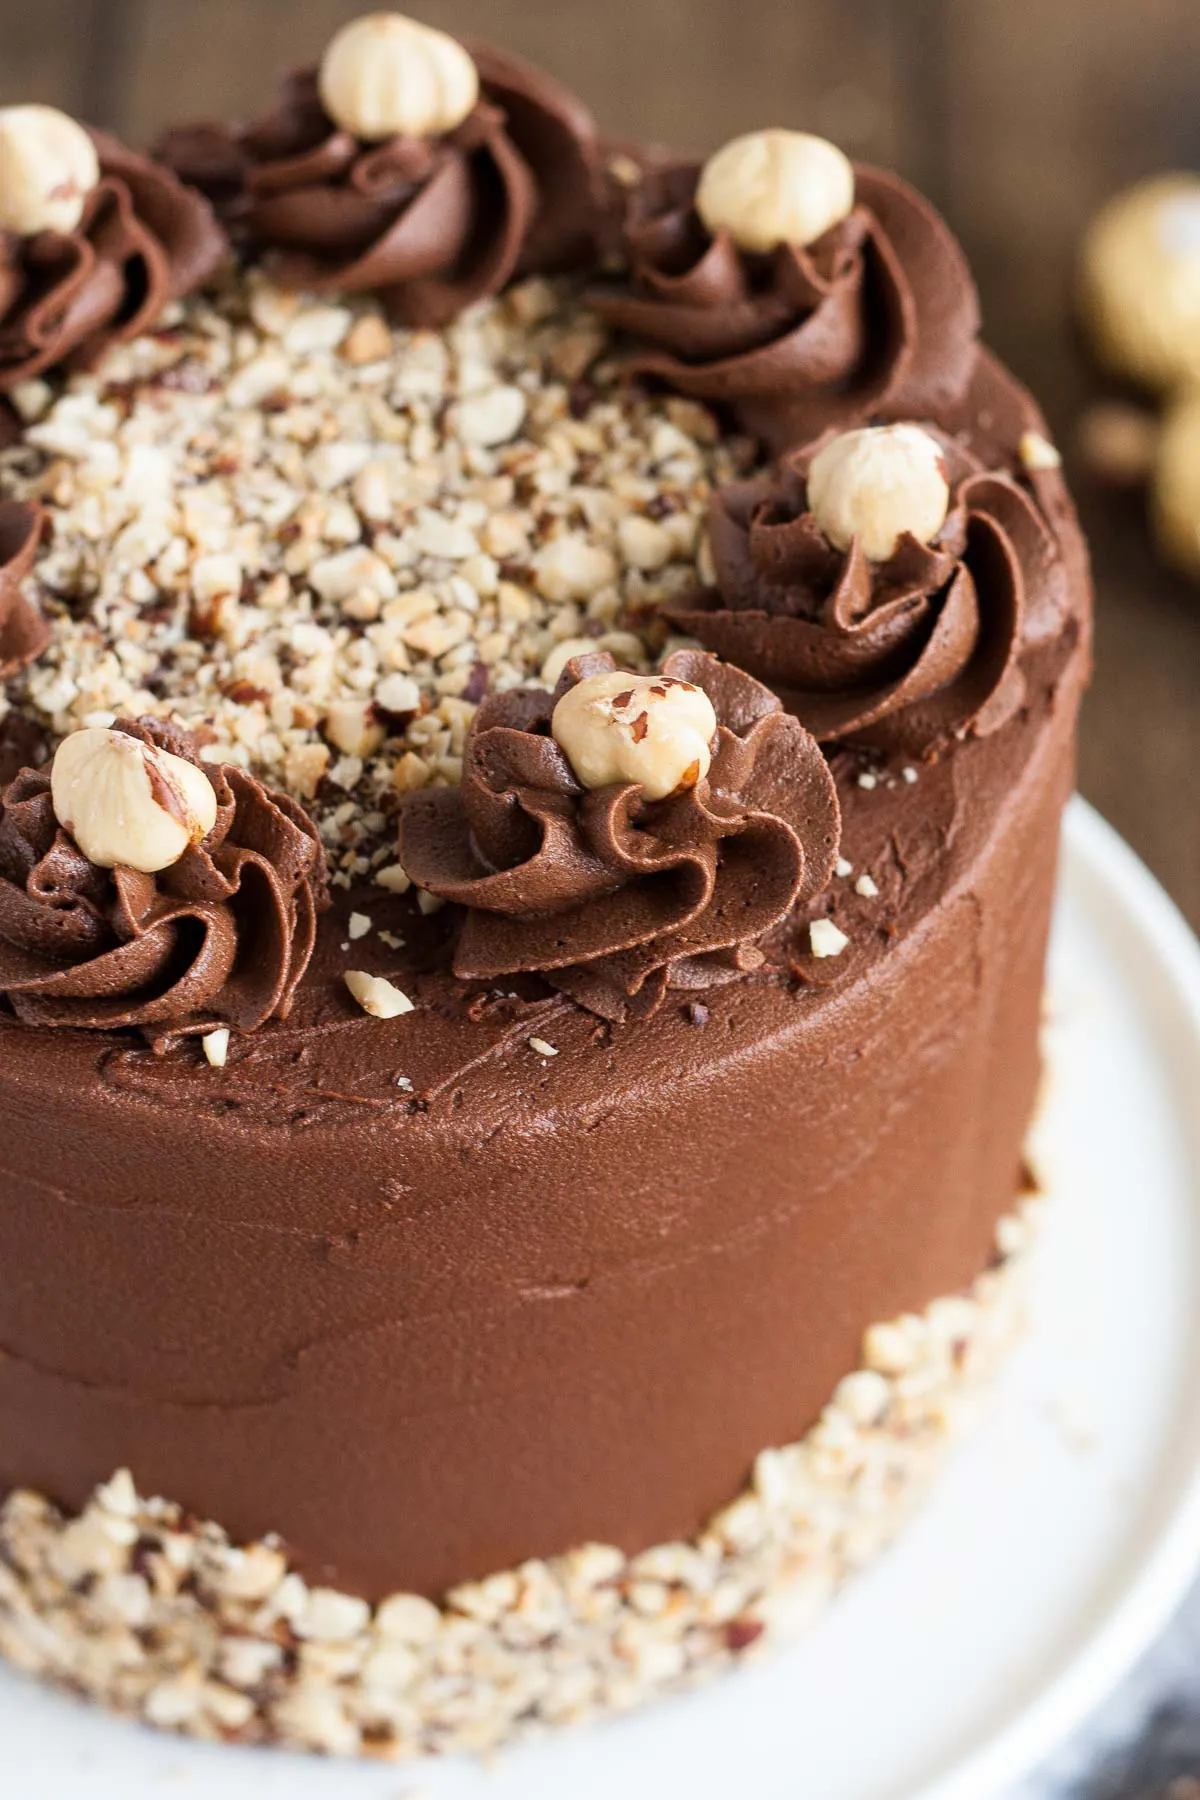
(135, 1605)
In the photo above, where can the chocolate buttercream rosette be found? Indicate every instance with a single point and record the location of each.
(221, 936)
(431, 215)
(876, 317)
(96, 241)
(613, 898)
(903, 653)
(24, 633)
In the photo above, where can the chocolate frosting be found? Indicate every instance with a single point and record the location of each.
(224, 934)
(144, 239)
(878, 318)
(614, 899)
(903, 655)
(24, 633)
(431, 225)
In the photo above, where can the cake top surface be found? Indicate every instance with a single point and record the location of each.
(320, 540)
(483, 421)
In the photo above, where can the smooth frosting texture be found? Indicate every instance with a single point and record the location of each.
(902, 655)
(877, 318)
(429, 224)
(144, 239)
(614, 899)
(223, 935)
(24, 633)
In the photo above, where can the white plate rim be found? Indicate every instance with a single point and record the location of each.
(1153, 1593)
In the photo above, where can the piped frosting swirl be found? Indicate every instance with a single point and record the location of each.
(878, 318)
(430, 224)
(24, 633)
(612, 899)
(903, 655)
(222, 936)
(144, 239)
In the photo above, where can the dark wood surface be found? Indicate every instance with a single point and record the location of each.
(1018, 116)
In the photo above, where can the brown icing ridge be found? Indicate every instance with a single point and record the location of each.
(902, 656)
(144, 239)
(431, 225)
(223, 935)
(878, 319)
(616, 900)
(24, 633)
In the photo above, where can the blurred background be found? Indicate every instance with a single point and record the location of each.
(1017, 116)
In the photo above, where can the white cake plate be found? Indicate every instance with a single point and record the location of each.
(1051, 1554)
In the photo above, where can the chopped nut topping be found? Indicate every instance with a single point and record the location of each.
(866, 887)
(322, 541)
(540, 1047)
(826, 939)
(1037, 452)
(377, 996)
(136, 1604)
(216, 1047)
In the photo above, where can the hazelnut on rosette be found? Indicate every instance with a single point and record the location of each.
(409, 165)
(94, 242)
(140, 887)
(24, 633)
(883, 586)
(626, 835)
(801, 289)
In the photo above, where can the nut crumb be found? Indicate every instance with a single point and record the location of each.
(1037, 452)
(216, 1047)
(866, 887)
(842, 868)
(541, 1048)
(868, 780)
(377, 996)
(308, 532)
(826, 939)
(358, 926)
(909, 774)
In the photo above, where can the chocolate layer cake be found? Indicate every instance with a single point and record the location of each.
(542, 682)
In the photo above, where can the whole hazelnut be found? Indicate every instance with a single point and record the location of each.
(649, 729)
(48, 167)
(387, 76)
(1140, 281)
(125, 802)
(877, 484)
(1175, 484)
(775, 187)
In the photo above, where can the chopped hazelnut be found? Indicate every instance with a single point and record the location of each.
(377, 996)
(826, 939)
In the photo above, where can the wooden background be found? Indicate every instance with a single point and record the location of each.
(1017, 116)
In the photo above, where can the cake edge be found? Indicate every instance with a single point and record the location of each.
(154, 1614)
